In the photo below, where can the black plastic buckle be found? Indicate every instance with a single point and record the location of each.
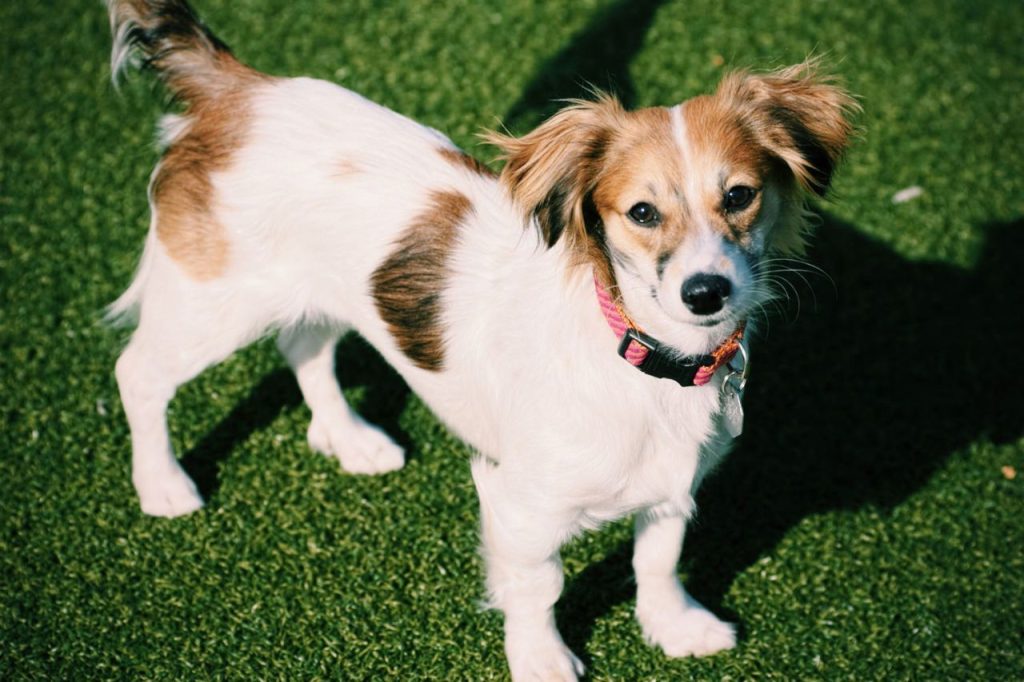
(662, 363)
(648, 342)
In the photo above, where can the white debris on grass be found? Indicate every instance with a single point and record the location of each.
(907, 194)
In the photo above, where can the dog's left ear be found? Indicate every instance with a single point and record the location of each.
(551, 171)
(798, 115)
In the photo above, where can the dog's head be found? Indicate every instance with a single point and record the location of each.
(681, 207)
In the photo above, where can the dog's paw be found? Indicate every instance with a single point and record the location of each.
(692, 631)
(548, 662)
(167, 493)
(360, 447)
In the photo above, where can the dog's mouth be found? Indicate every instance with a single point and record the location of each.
(718, 329)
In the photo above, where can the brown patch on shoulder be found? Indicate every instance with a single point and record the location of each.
(182, 192)
(458, 157)
(407, 287)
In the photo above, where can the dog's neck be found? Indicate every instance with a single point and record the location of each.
(652, 357)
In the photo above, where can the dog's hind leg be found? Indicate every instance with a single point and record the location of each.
(335, 429)
(178, 336)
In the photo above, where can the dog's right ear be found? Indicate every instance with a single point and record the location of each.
(551, 171)
(799, 115)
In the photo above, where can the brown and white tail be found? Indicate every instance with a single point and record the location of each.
(166, 37)
(172, 41)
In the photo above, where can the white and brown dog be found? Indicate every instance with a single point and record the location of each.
(572, 319)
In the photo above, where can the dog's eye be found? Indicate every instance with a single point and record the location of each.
(738, 198)
(644, 214)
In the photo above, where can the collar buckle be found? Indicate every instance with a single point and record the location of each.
(631, 335)
(662, 363)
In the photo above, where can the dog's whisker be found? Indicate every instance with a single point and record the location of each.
(802, 267)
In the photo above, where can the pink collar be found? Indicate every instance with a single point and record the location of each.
(651, 357)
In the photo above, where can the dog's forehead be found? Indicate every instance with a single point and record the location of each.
(715, 134)
(642, 158)
(684, 151)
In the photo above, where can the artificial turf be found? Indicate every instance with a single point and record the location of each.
(868, 527)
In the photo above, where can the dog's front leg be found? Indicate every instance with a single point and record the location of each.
(669, 617)
(524, 577)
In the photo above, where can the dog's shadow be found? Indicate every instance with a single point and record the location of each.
(854, 404)
(596, 57)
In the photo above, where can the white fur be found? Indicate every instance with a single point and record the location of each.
(569, 435)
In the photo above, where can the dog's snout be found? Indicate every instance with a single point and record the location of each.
(704, 294)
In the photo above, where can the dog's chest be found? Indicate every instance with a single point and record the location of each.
(673, 441)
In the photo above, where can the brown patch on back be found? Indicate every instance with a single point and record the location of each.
(182, 192)
(407, 287)
(457, 157)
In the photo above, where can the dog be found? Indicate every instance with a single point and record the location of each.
(579, 319)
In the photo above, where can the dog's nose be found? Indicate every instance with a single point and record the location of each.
(704, 294)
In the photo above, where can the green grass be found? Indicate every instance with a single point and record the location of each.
(863, 530)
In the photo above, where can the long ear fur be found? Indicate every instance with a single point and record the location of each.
(797, 114)
(552, 170)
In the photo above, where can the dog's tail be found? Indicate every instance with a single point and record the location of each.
(167, 37)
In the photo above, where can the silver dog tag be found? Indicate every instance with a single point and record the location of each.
(732, 413)
(732, 394)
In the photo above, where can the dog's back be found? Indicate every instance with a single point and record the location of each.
(266, 182)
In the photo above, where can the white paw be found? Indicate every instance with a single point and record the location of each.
(360, 447)
(691, 631)
(168, 493)
(550, 661)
